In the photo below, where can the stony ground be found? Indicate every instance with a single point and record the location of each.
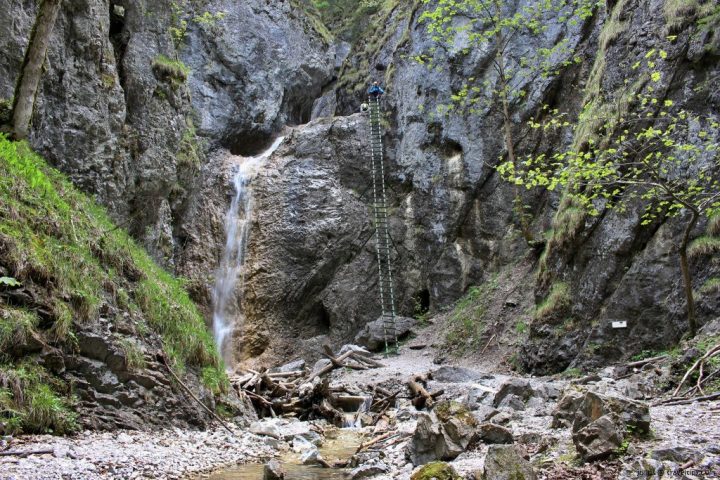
(678, 433)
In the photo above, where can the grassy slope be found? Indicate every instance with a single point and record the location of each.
(57, 241)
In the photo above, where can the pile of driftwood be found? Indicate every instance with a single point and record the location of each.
(308, 396)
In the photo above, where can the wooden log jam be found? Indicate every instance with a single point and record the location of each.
(421, 397)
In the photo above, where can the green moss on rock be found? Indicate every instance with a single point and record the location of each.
(436, 471)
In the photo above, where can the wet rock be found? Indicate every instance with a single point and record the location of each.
(436, 471)
(504, 462)
(599, 439)
(373, 335)
(300, 444)
(273, 471)
(492, 433)
(311, 457)
(369, 470)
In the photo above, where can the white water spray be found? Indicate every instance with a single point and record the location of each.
(237, 231)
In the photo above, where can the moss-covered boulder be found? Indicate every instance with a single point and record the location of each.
(436, 471)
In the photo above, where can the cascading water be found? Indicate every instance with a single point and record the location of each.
(237, 231)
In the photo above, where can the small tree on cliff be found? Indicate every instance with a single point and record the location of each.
(32, 67)
(664, 159)
(492, 24)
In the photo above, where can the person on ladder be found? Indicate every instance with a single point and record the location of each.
(375, 90)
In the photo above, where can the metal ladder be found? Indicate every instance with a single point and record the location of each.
(382, 233)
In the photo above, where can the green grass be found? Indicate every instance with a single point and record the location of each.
(17, 326)
(713, 227)
(134, 358)
(711, 285)
(466, 322)
(33, 402)
(557, 300)
(679, 13)
(705, 245)
(173, 71)
(55, 237)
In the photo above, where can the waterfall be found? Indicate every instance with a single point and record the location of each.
(237, 231)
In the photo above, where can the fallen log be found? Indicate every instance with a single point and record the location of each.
(421, 396)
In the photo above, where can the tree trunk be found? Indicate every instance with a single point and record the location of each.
(31, 71)
(685, 268)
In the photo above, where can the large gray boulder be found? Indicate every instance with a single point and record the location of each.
(599, 439)
(443, 435)
(373, 336)
(504, 462)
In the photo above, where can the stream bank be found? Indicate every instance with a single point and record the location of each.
(506, 408)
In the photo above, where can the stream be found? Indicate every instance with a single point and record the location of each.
(333, 449)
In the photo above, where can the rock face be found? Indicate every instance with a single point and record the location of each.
(153, 145)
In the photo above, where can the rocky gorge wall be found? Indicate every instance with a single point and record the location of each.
(152, 140)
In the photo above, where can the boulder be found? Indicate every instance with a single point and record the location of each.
(564, 412)
(504, 462)
(514, 386)
(273, 471)
(676, 454)
(642, 468)
(436, 471)
(369, 470)
(492, 433)
(443, 434)
(311, 457)
(634, 415)
(295, 365)
(373, 335)
(450, 374)
(599, 439)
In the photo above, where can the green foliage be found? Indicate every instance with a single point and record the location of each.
(712, 285)
(557, 301)
(680, 13)
(16, 327)
(9, 282)
(521, 327)
(705, 245)
(572, 373)
(173, 71)
(215, 380)
(466, 322)
(134, 358)
(436, 471)
(53, 235)
(32, 402)
(5, 110)
(181, 14)
(489, 24)
(190, 151)
(666, 159)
